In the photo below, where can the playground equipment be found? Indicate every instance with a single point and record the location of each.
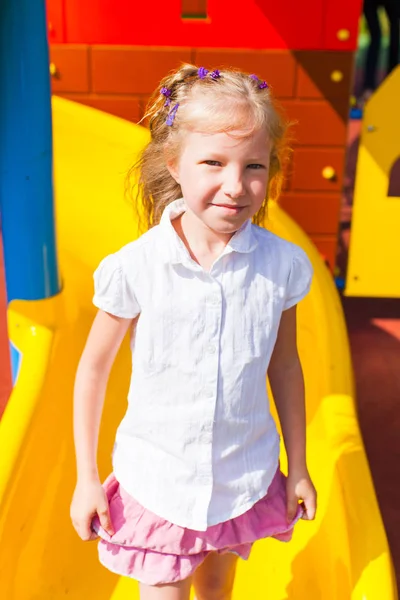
(374, 253)
(342, 555)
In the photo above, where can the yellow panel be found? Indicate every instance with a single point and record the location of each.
(343, 555)
(374, 254)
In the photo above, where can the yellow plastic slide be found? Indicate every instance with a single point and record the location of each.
(342, 555)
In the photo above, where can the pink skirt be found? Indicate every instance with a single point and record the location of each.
(155, 551)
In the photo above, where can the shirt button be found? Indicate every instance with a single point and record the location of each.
(209, 393)
(211, 349)
(214, 300)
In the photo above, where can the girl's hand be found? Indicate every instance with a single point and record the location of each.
(88, 500)
(300, 487)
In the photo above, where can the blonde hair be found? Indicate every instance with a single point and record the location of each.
(230, 103)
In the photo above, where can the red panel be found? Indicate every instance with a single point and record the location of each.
(341, 24)
(250, 24)
(55, 21)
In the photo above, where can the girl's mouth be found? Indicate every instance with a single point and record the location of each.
(230, 207)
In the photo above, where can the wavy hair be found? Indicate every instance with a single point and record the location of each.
(233, 102)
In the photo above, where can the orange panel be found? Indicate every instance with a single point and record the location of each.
(315, 213)
(71, 65)
(126, 107)
(327, 246)
(276, 67)
(319, 169)
(324, 74)
(128, 70)
(317, 123)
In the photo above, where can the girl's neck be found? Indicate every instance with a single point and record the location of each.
(203, 244)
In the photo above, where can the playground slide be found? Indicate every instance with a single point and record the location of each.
(342, 555)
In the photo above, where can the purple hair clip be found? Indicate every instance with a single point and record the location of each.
(262, 85)
(166, 92)
(202, 72)
(171, 115)
(215, 74)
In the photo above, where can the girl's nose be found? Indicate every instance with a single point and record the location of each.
(233, 186)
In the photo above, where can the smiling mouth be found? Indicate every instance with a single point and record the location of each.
(229, 207)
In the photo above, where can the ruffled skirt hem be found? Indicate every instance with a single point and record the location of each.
(154, 551)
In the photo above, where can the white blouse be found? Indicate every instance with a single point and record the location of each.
(198, 445)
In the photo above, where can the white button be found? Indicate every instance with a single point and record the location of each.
(209, 393)
(214, 300)
(211, 349)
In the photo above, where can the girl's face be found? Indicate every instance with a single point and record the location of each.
(223, 178)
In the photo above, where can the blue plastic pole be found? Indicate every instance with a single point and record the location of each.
(26, 181)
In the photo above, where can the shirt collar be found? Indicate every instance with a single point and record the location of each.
(243, 241)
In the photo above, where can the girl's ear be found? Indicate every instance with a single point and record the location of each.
(173, 171)
(172, 163)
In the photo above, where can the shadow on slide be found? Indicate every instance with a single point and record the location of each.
(342, 555)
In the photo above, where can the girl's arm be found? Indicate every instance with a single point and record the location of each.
(89, 498)
(287, 385)
(102, 345)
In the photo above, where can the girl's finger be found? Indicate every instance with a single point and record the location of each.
(310, 509)
(105, 520)
(86, 533)
(292, 505)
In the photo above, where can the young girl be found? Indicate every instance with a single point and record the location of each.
(210, 301)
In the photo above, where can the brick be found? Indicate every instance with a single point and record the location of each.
(309, 164)
(72, 68)
(315, 213)
(276, 67)
(317, 123)
(133, 70)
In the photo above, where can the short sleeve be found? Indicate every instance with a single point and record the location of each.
(112, 292)
(300, 278)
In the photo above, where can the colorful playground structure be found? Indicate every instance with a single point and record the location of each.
(344, 554)
(374, 253)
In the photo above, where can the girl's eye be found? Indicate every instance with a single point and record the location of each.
(255, 166)
(213, 163)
